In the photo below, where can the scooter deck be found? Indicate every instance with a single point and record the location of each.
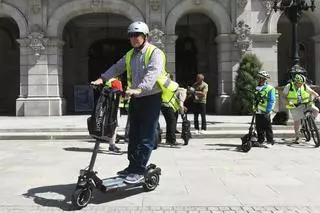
(117, 182)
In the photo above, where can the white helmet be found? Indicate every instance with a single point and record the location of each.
(263, 74)
(138, 27)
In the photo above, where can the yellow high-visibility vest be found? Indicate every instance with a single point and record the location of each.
(292, 95)
(167, 86)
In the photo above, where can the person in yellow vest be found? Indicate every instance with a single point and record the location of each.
(173, 105)
(298, 97)
(146, 79)
(266, 95)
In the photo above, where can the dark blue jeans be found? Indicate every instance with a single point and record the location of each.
(144, 116)
(200, 108)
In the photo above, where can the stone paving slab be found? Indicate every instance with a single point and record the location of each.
(171, 209)
(209, 175)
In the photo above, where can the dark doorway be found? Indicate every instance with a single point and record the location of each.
(306, 47)
(93, 42)
(196, 52)
(186, 61)
(103, 54)
(9, 66)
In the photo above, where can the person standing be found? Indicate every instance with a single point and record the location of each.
(200, 90)
(145, 65)
(265, 95)
(298, 98)
(170, 109)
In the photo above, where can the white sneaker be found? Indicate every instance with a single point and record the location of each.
(196, 132)
(203, 132)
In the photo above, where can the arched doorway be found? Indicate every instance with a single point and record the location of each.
(196, 52)
(93, 42)
(305, 43)
(9, 66)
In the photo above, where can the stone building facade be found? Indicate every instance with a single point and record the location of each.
(51, 49)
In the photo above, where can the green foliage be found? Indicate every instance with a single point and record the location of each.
(243, 94)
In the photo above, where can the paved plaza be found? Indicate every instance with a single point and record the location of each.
(209, 175)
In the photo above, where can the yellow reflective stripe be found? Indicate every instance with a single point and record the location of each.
(128, 67)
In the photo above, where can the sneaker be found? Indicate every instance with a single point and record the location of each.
(271, 142)
(114, 148)
(123, 173)
(196, 132)
(203, 132)
(296, 140)
(133, 178)
(265, 145)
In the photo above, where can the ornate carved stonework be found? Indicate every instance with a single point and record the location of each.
(96, 3)
(157, 37)
(242, 3)
(268, 4)
(243, 40)
(35, 6)
(37, 42)
(197, 2)
(155, 4)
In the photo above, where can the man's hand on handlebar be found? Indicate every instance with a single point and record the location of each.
(97, 82)
(133, 92)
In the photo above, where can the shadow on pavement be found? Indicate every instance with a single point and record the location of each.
(226, 147)
(59, 196)
(101, 151)
(303, 144)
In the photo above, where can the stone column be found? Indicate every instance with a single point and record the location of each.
(266, 49)
(40, 77)
(170, 47)
(317, 57)
(228, 62)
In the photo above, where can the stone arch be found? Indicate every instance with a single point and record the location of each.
(75, 8)
(210, 8)
(273, 23)
(17, 15)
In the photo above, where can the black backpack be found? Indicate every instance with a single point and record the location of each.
(103, 120)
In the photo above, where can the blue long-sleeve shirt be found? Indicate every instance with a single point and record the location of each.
(143, 77)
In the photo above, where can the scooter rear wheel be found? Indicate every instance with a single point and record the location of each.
(151, 182)
(81, 197)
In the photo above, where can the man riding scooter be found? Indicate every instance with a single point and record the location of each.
(145, 67)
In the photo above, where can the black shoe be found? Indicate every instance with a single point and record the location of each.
(271, 142)
(123, 173)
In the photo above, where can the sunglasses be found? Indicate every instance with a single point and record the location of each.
(135, 34)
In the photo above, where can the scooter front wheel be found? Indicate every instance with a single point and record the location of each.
(151, 182)
(246, 143)
(81, 197)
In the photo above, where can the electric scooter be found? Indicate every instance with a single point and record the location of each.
(88, 179)
(250, 139)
